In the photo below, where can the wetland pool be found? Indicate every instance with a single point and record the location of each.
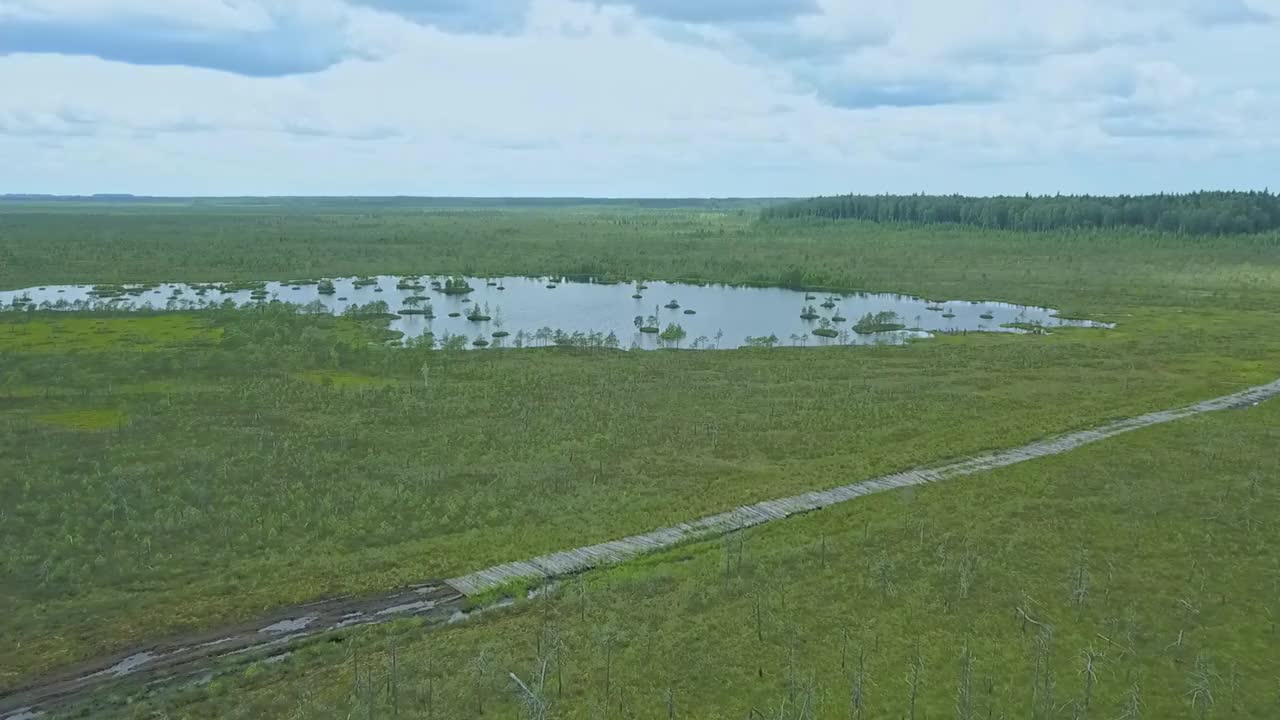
(531, 310)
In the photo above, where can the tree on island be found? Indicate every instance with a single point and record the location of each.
(673, 334)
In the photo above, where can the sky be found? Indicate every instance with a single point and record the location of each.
(646, 98)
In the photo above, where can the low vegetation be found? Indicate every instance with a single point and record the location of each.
(445, 493)
(117, 332)
(1076, 270)
(169, 471)
(101, 419)
(1025, 592)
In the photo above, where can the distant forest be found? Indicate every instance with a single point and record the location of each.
(1201, 213)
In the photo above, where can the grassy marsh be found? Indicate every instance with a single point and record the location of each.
(258, 467)
(1062, 588)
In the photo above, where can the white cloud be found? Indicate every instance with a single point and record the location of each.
(204, 14)
(253, 37)
(561, 97)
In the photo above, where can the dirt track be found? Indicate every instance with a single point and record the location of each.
(193, 656)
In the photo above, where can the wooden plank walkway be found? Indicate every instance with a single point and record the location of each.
(567, 562)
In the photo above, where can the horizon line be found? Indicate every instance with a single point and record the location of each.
(601, 198)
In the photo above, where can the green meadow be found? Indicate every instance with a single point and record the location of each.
(162, 472)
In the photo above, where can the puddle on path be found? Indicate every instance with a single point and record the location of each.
(128, 665)
(289, 626)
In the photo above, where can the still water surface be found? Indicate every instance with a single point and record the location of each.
(724, 316)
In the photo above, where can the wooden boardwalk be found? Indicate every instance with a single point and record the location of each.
(567, 562)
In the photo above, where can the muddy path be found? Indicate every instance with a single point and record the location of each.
(193, 656)
(196, 655)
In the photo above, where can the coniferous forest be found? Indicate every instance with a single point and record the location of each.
(1199, 213)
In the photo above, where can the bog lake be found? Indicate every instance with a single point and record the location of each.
(525, 312)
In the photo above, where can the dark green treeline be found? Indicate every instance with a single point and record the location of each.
(1200, 213)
